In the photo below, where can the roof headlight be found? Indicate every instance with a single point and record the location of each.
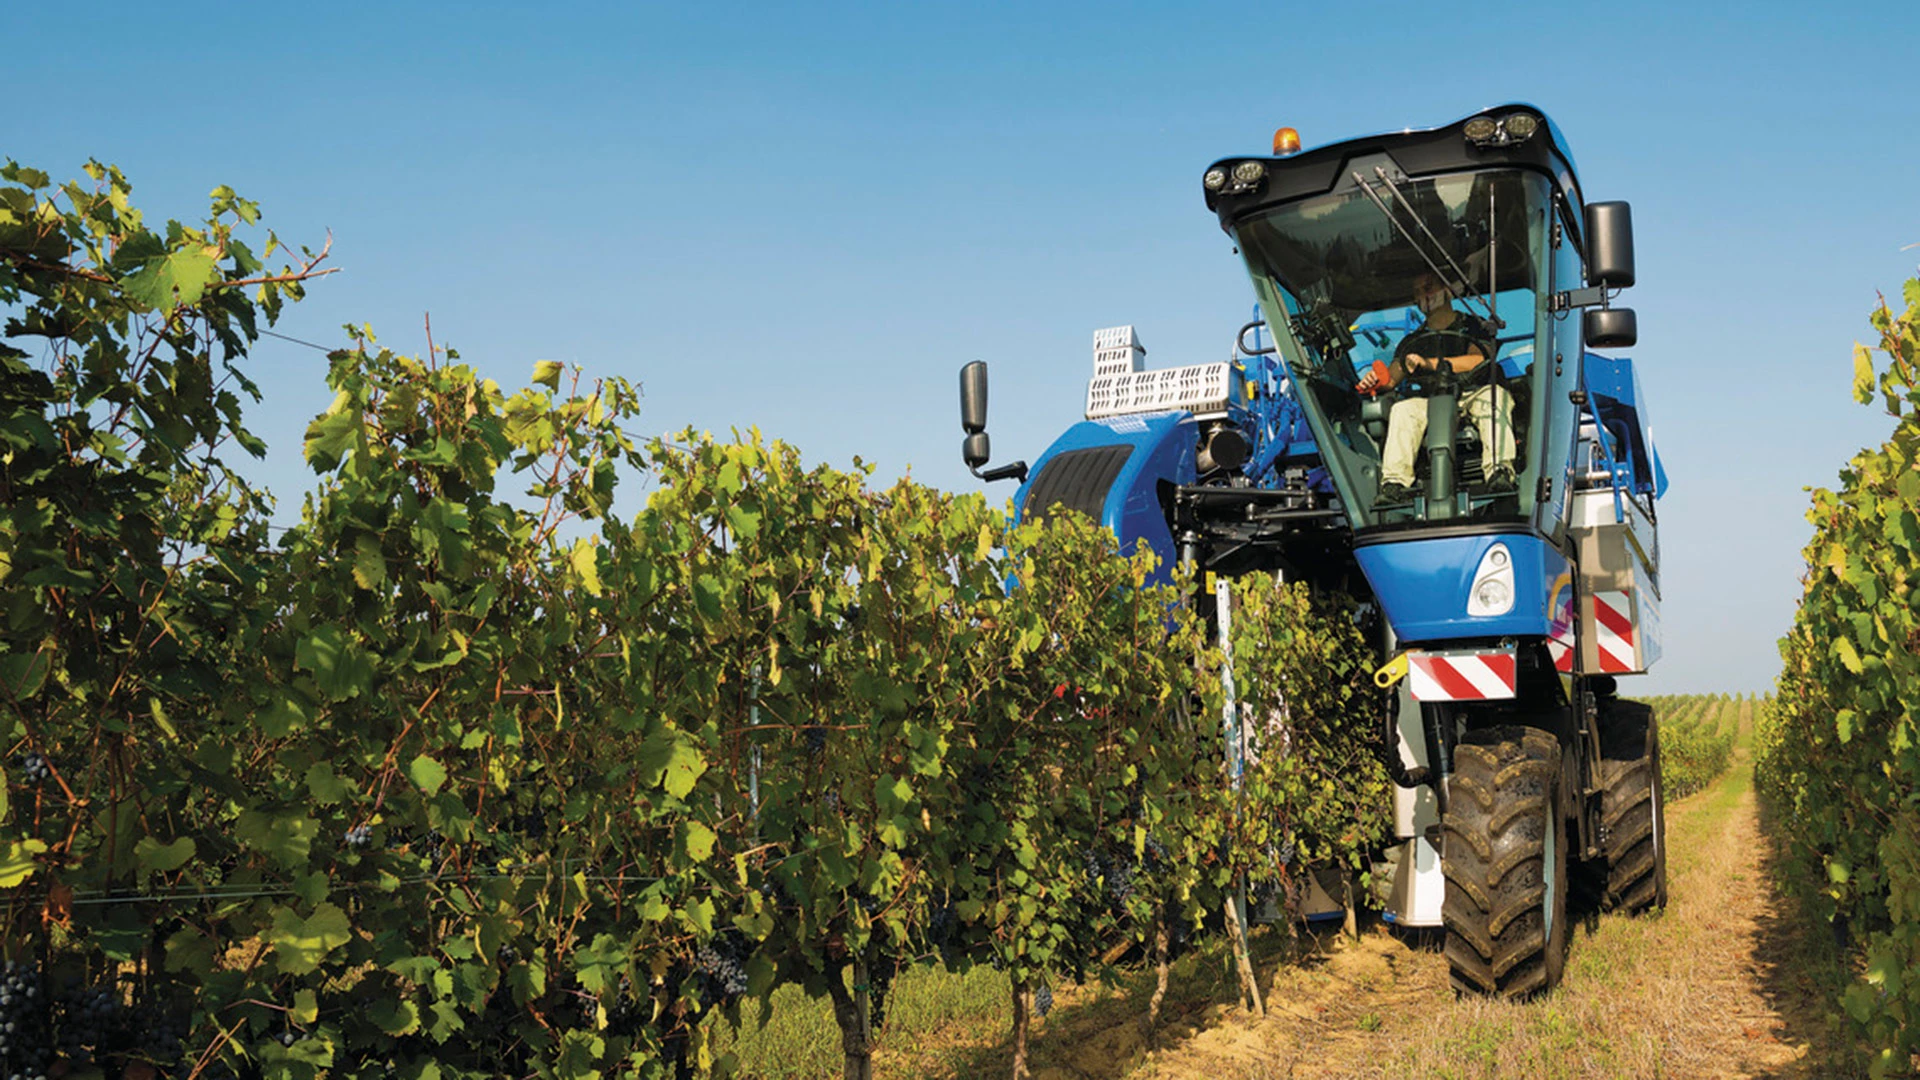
(1481, 130)
(1520, 126)
(1249, 172)
(1215, 179)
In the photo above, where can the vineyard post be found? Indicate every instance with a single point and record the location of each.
(1236, 901)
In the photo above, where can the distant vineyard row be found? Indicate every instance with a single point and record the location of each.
(447, 780)
(1697, 733)
(1839, 755)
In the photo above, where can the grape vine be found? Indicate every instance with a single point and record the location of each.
(1837, 750)
(466, 773)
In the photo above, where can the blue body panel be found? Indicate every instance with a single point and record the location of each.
(1613, 388)
(1423, 585)
(1163, 450)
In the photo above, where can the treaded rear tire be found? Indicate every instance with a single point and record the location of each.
(1632, 809)
(1505, 860)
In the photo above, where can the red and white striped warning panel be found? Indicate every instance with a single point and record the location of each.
(1486, 676)
(1613, 631)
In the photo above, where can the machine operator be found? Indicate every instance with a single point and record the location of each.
(1463, 343)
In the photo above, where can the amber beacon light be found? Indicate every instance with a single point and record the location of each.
(1286, 141)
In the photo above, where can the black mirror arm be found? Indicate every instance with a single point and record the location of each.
(1015, 471)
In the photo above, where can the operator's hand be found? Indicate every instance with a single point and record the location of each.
(1417, 363)
(1374, 379)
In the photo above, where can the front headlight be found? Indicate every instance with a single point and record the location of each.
(1492, 589)
(1493, 595)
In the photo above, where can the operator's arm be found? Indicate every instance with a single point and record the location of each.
(1414, 363)
(1460, 364)
(1462, 347)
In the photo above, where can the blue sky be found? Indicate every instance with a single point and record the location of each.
(807, 217)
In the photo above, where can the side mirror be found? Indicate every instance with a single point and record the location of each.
(1611, 328)
(1609, 245)
(973, 414)
(973, 418)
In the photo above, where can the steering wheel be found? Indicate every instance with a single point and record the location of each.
(1440, 380)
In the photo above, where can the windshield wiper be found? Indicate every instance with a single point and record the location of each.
(1461, 291)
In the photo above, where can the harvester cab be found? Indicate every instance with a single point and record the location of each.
(1414, 420)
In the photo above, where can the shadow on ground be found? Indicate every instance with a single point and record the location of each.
(1802, 965)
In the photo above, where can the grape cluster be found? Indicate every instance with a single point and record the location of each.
(586, 1010)
(816, 741)
(532, 824)
(86, 1020)
(626, 1014)
(984, 779)
(880, 975)
(720, 969)
(359, 836)
(37, 768)
(777, 895)
(158, 1033)
(23, 1023)
(1043, 1000)
(942, 925)
(1112, 873)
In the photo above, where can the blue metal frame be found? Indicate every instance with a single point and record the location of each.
(1617, 405)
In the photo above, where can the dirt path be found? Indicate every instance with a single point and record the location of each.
(1710, 988)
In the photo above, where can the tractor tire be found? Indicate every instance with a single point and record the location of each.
(1504, 855)
(1633, 815)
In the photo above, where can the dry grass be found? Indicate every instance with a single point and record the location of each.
(1727, 982)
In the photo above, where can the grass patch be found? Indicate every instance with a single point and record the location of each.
(945, 1014)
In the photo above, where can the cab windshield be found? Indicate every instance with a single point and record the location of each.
(1408, 313)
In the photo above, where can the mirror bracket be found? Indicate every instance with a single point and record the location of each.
(1581, 298)
(1015, 471)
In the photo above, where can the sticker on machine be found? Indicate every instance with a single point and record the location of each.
(1461, 676)
(1560, 639)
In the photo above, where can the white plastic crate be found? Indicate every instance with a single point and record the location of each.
(1116, 351)
(1201, 389)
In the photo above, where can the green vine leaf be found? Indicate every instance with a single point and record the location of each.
(155, 857)
(19, 862)
(300, 944)
(176, 279)
(427, 774)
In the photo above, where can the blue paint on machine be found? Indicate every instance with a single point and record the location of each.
(1424, 586)
(1121, 472)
